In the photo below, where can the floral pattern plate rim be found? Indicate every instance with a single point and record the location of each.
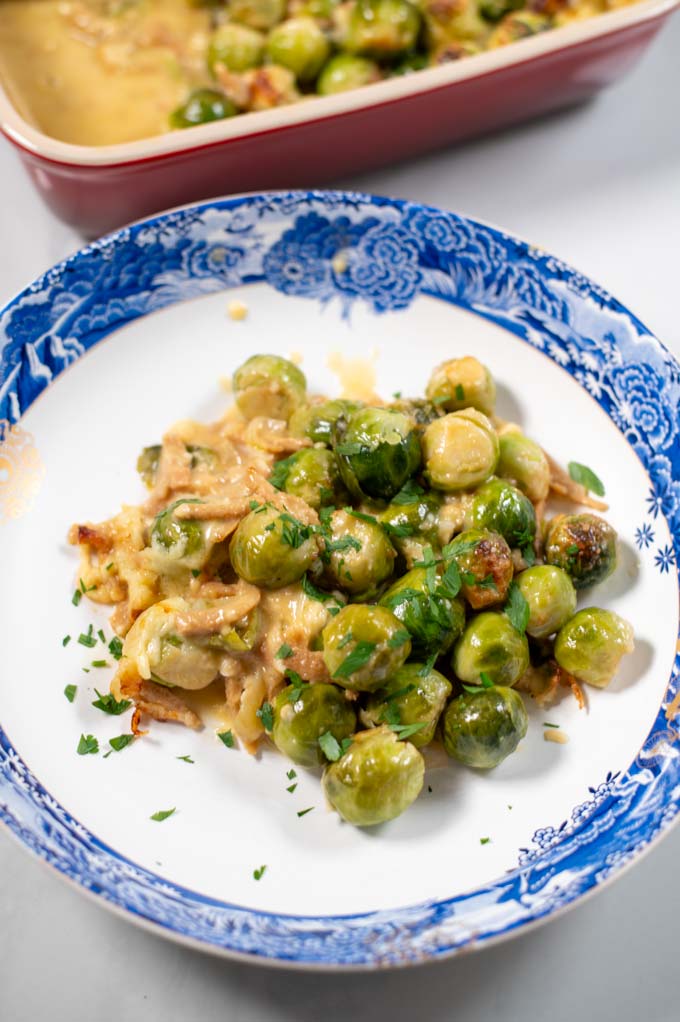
(380, 254)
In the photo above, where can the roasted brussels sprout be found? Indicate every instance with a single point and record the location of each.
(413, 695)
(382, 29)
(590, 645)
(460, 450)
(357, 554)
(202, 106)
(485, 564)
(235, 47)
(317, 422)
(300, 45)
(551, 598)
(518, 25)
(523, 463)
(490, 645)
(312, 474)
(481, 729)
(302, 715)
(462, 383)
(363, 646)
(166, 657)
(432, 619)
(260, 14)
(344, 71)
(376, 779)
(378, 450)
(585, 546)
(181, 541)
(271, 548)
(501, 507)
(268, 385)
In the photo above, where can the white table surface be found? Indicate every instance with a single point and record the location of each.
(599, 186)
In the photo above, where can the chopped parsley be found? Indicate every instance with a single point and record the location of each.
(338, 546)
(88, 745)
(573, 549)
(529, 555)
(293, 532)
(116, 648)
(486, 682)
(87, 639)
(310, 590)
(259, 873)
(109, 566)
(356, 659)
(303, 812)
(332, 748)
(585, 477)
(227, 738)
(65, 641)
(284, 651)
(440, 399)
(279, 473)
(547, 723)
(517, 608)
(186, 759)
(70, 692)
(450, 582)
(121, 742)
(404, 731)
(100, 663)
(410, 493)
(399, 531)
(399, 638)
(291, 787)
(485, 840)
(428, 665)
(195, 572)
(162, 814)
(109, 704)
(102, 637)
(290, 774)
(399, 693)
(350, 448)
(266, 715)
(460, 392)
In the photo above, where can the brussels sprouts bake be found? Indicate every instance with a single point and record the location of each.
(352, 582)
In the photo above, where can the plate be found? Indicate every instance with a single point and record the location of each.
(102, 354)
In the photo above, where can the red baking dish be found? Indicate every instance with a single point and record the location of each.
(97, 188)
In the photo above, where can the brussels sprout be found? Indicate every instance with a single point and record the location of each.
(412, 522)
(245, 635)
(317, 422)
(422, 412)
(590, 646)
(358, 555)
(433, 619)
(376, 780)
(518, 25)
(413, 695)
(523, 463)
(494, 10)
(181, 541)
(300, 45)
(501, 507)
(485, 564)
(312, 474)
(551, 597)
(344, 72)
(460, 450)
(382, 29)
(378, 450)
(202, 106)
(363, 646)
(271, 548)
(491, 646)
(462, 383)
(481, 729)
(585, 546)
(147, 464)
(454, 21)
(302, 715)
(268, 385)
(236, 47)
(260, 14)
(165, 657)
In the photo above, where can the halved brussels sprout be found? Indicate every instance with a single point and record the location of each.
(490, 645)
(462, 383)
(179, 541)
(363, 645)
(344, 71)
(317, 422)
(272, 548)
(382, 29)
(585, 546)
(590, 645)
(202, 106)
(485, 564)
(551, 598)
(269, 385)
(413, 695)
(300, 45)
(162, 655)
(312, 474)
(524, 463)
(302, 715)
(235, 47)
(378, 451)
(481, 729)
(376, 779)
(433, 620)
(501, 507)
(460, 450)
(358, 555)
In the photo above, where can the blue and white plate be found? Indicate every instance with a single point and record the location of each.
(101, 355)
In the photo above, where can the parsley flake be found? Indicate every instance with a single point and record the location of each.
(547, 723)
(529, 555)
(266, 715)
(87, 639)
(65, 641)
(485, 840)
(410, 493)
(585, 477)
(356, 659)
(303, 812)
(290, 774)
(116, 648)
(460, 392)
(291, 787)
(109, 704)
(162, 814)
(100, 663)
(398, 639)
(404, 731)
(88, 745)
(121, 742)
(486, 682)
(284, 651)
(332, 748)
(102, 637)
(517, 608)
(227, 738)
(279, 473)
(186, 759)
(259, 873)
(70, 692)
